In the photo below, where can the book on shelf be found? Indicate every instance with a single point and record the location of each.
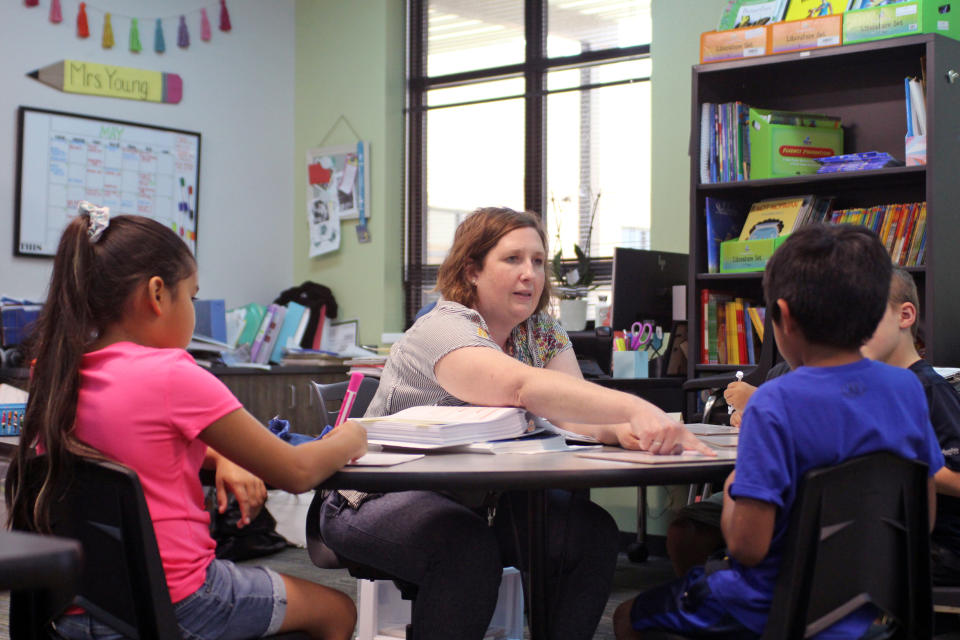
(274, 326)
(724, 220)
(775, 217)
(726, 338)
(291, 321)
(257, 344)
(806, 9)
(369, 366)
(253, 316)
(308, 357)
(738, 14)
(724, 142)
(901, 228)
(432, 427)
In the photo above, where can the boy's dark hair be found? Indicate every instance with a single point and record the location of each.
(835, 279)
(90, 288)
(904, 289)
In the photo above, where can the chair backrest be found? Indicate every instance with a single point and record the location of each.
(122, 583)
(858, 534)
(330, 396)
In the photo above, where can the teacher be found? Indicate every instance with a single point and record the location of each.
(489, 342)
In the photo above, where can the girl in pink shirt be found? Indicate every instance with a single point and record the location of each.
(112, 380)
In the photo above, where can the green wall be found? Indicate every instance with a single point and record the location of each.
(677, 25)
(349, 63)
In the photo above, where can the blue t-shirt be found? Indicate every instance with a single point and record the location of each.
(817, 417)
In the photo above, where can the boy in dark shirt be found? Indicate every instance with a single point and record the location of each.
(893, 343)
(826, 288)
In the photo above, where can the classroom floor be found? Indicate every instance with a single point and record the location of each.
(628, 580)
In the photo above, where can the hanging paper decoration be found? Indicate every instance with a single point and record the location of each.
(135, 45)
(224, 16)
(108, 37)
(107, 32)
(183, 36)
(158, 44)
(204, 25)
(83, 29)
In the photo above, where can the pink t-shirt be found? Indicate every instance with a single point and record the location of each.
(144, 408)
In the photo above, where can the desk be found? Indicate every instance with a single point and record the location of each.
(532, 473)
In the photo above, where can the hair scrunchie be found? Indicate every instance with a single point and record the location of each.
(99, 219)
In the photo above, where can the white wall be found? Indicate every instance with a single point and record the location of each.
(238, 92)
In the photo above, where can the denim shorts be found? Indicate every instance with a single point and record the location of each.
(234, 603)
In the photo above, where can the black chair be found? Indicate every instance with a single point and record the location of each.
(755, 375)
(330, 396)
(122, 582)
(859, 534)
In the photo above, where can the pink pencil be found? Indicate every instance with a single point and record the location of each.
(348, 399)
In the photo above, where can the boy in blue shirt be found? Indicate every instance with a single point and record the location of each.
(826, 288)
(894, 343)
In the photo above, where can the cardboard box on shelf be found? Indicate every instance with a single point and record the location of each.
(735, 44)
(902, 19)
(812, 33)
(741, 256)
(784, 143)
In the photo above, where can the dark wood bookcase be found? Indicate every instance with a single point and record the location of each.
(863, 84)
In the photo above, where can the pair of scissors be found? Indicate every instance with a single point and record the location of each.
(641, 333)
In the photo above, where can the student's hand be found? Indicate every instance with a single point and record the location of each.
(736, 418)
(247, 488)
(355, 437)
(653, 430)
(737, 394)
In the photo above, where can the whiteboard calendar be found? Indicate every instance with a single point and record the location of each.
(131, 168)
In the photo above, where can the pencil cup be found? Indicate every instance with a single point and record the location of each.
(630, 364)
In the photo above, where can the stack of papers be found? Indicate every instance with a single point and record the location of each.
(433, 427)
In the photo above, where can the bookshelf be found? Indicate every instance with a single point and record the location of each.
(862, 84)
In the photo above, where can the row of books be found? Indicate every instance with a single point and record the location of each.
(901, 227)
(724, 142)
(731, 328)
(269, 330)
(369, 366)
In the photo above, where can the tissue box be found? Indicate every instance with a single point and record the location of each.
(740, 256)
(734, 44)
(813, 33)
(901, 19)
(915, 148)
(11, 417)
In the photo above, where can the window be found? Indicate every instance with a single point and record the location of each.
(538, 104)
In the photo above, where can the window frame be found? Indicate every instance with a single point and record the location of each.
(534, 70)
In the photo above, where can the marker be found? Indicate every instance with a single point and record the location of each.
(739, 379)
(95, 79)
(348, 399)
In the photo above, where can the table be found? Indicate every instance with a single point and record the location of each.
(532, 473)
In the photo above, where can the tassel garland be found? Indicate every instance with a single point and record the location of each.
(83, 29)
(135, 45)
(224, 16)
(107, 32)
(204, 25)
(183, 36)
(158, 44)
(31, 3)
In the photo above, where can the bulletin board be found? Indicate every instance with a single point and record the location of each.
(338, 188)
(64, 158)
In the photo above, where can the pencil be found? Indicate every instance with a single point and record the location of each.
(95, 79)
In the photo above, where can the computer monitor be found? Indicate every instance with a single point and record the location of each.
(643, 286)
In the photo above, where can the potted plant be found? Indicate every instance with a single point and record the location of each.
(573, 278)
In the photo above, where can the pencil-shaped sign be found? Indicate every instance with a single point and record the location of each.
(95, 79)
